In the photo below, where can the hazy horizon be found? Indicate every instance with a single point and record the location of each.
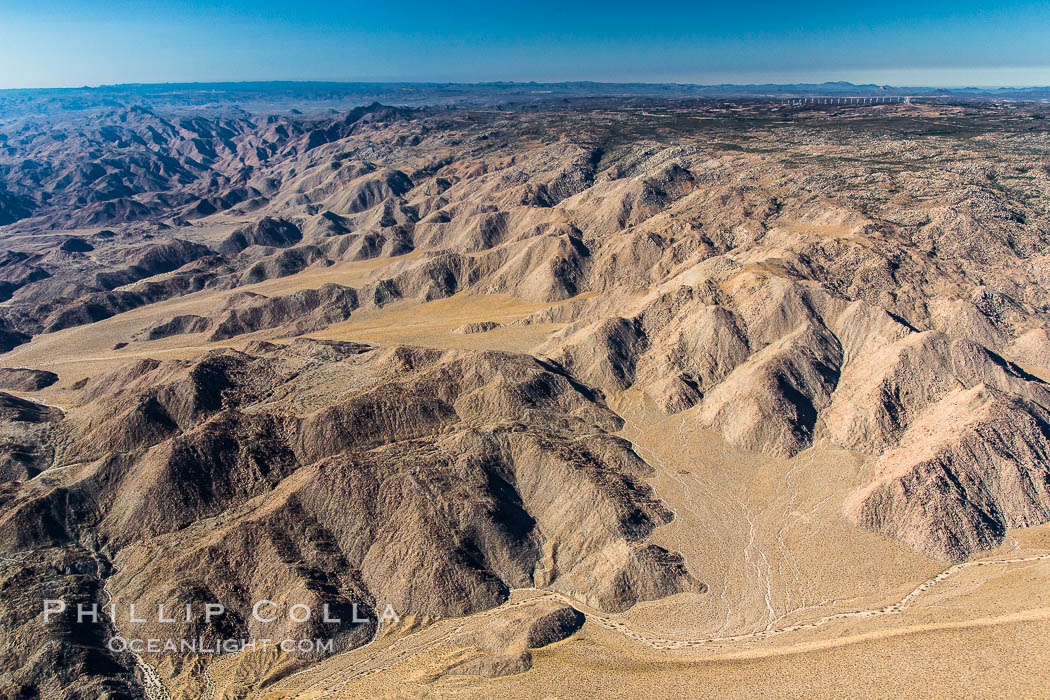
(73, 43)
(381, 81)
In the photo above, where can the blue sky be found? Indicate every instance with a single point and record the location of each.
(92, 42)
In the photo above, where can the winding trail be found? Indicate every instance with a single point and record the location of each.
(893, 609)
(319, 678)
(152, 685)
(210, 691)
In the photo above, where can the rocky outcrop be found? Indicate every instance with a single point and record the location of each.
(22, 379)
(13, 208)
(771, 401)
(477, 327)
(75, 662)
(176, 325)
(554, 626)
(150, 260)
(308, 309)
(206, 272)
(880, 394)
(10, 339)
(269, 232)
(26, 429)
(972, 465)
(1031, 348)
(503, 647)
(13, 408)
(76, 245)
(602, 354)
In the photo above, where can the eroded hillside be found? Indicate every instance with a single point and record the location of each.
(434, 358)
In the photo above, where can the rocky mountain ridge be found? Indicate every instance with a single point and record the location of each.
(870, 278)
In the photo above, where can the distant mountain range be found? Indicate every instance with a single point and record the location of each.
(315, 96)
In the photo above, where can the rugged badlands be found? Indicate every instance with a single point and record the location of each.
(600, 397)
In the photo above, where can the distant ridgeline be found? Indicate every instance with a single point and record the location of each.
(288, 96)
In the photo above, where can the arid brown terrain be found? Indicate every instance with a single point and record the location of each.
(603, 397)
